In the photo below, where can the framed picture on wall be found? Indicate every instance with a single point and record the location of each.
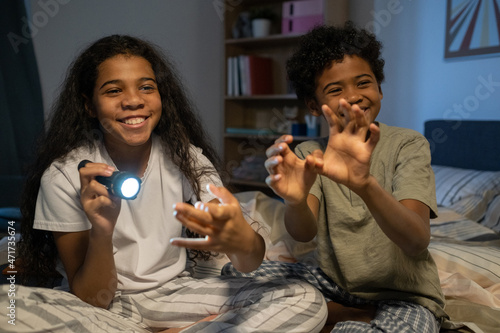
(472, 28)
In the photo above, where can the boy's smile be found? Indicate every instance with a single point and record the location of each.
(126, 101)
(351, 79)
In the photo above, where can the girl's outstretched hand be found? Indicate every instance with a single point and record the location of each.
(347, 157)
(224, 227)
(101, 208)
(289, 176)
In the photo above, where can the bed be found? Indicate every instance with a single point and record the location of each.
(465, 237)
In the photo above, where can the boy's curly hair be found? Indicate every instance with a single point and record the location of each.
(324, 44)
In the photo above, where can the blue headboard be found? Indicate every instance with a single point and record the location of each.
(467, 144)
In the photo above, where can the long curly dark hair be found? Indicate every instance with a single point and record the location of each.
(324, 44)
(72, 127)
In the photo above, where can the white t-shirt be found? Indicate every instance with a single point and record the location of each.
(143, 255)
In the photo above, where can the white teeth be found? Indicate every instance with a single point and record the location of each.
(134, 121)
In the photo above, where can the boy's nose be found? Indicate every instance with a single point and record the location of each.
(354, 99)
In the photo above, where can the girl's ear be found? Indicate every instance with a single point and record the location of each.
(314, 107)
(89, 107)
(380, 91)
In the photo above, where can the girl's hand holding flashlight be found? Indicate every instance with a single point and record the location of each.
(101, 208)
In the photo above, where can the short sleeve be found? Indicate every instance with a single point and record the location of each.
(413, 177)
(58, 206)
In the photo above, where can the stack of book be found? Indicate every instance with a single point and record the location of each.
(249, 75)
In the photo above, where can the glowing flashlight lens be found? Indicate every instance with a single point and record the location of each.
(130, 187)
(123, 184)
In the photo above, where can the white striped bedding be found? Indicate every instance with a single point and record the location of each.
(468, 192)
(467, 253)
(465, 244)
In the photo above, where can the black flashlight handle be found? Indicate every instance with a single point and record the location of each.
(109, 181)
(101, 179)
(83, 163)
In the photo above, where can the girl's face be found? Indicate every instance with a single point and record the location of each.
(353, 80)
(126, 101)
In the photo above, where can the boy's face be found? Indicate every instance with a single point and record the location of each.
(351, 79)
(126, 101)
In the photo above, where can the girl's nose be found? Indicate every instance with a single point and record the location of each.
(132, 101)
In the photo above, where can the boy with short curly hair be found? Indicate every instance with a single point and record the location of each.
(366, 192)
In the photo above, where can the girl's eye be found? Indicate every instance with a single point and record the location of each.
(113, 91)
(148, 88)
(364, 83)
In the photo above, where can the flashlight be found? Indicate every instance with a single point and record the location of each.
(121, 184)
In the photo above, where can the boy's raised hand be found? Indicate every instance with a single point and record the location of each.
(224, 227)
(289, 176)
(347, 157)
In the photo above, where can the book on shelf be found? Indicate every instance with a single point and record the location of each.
(249, 75)
(229, 78)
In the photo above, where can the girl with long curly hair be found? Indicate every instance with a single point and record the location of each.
(122, 107)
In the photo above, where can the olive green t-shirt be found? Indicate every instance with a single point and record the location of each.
(352, 248)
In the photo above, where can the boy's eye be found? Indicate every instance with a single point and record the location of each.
(334, 91)
(364, 83)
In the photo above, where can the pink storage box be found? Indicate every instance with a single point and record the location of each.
(301, 24)
(301, 16)
(292, 9)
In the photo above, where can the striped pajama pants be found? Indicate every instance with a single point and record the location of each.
(390, 317)
(259, 304)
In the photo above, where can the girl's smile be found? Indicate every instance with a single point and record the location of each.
(126, 101)
(134, 120)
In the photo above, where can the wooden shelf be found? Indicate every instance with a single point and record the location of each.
(296, 138)
(244, 182)
(276, 97)
(271, 40)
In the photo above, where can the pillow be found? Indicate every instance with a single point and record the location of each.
(492, 216)
(265, 215)
(466, 191)
(450, 224)
(248, 203)
(478, 262)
